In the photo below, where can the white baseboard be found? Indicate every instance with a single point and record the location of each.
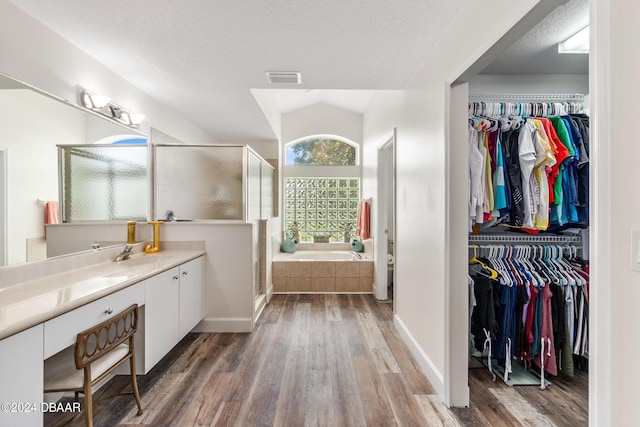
(224, 324)
(434, 376)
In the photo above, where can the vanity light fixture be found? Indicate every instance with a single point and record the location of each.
(102, 105)
(94, 101)
(577, 43)
(135, 119)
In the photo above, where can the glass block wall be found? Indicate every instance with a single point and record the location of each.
(321, 207)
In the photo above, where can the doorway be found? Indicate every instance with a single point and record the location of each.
(385, 246)
(457, 389)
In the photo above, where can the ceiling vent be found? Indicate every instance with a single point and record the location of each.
(284, 77)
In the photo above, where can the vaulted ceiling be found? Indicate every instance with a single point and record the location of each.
(202, 58)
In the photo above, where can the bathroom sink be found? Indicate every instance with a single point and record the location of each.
(141, 260)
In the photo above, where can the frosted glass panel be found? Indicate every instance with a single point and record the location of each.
(199, 182)
(267, 191)
(104, 183)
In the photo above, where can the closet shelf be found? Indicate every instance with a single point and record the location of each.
(502, 238)
(560, 97)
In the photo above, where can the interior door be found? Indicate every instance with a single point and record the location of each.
(384, 251)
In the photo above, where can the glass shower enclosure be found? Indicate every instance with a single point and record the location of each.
(215, 182)
(103, 182)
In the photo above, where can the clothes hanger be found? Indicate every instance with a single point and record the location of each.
(492, 274)
(531, 260)
(508, 278)
(531, 272)
(549, 268)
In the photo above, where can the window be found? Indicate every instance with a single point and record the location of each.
(321, 187)
(321, 206)
(321, 151)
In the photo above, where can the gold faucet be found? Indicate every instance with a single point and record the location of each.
(156, 238)
(131, 232)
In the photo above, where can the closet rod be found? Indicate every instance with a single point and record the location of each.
(474, 238)
(549, 97)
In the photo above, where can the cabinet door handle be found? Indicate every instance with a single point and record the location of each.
(175, 277)
(184, 273)
(109, 310)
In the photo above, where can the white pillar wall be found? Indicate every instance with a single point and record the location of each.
(426, 307)
(615, 211)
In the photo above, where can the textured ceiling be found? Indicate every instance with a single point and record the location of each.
(537, 51)
(201, 58)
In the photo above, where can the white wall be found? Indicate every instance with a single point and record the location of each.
(32, 126)
(267, 101)
(321, 119)
(529, 83)
(36, 55)
(228, 272)
(267, 149)
(615, 291)
(379, 120)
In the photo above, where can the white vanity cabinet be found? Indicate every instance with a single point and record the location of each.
(61, 332)
(191, 295)
(170, 306)
(161, 315)
(21, 378)
(173, 307)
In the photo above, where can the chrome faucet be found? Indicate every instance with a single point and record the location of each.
(169, 216)
(356, 255)
(125, 254)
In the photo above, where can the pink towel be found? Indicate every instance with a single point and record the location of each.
(362, 226)
(51, 213)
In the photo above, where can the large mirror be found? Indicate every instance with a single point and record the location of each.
(33, 125)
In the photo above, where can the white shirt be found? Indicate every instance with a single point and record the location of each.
(527, 156)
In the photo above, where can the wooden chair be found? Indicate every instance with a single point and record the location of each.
(97, 353)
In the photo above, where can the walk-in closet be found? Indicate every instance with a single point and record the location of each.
(528, 226)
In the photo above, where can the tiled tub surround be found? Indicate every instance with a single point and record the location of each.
(321, 272)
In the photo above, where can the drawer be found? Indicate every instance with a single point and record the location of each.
(60, 332)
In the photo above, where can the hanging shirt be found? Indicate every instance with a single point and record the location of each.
(583, 169)
(544, 160)
(500, 196)
(482, 196)
(547, 358)
(527, 156)
(570, 185)
(558, 215)
(488, 199)
(559, 151)
(476, 166)
(512, 158)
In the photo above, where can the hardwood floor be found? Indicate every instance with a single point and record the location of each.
(318, 360)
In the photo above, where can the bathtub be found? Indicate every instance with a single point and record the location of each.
(322, 272)
(320, 256)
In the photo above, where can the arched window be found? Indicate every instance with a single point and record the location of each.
(322, 150)
(321, 178)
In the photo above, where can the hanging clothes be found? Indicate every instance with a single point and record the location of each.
(535, 310)
(528, 172)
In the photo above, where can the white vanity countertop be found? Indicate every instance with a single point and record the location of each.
(27, 304)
